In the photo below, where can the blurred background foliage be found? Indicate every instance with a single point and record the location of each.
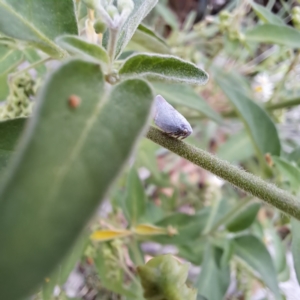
(247, 114)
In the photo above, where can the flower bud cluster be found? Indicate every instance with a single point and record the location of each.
(19, 102)
(108, 14)
(225, 26)
(225, 18)
(296, 16)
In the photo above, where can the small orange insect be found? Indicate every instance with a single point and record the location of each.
(269, 160)
(74, 101)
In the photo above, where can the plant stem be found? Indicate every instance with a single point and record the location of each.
(120, 261)
(247, 182)
(270, 106)
(284, 104)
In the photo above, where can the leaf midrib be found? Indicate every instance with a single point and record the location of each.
(79, 144)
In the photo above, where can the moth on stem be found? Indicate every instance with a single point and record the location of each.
(167, 118)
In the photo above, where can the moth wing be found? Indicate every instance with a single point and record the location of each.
(166, 116)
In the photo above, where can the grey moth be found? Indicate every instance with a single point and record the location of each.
(168, 119)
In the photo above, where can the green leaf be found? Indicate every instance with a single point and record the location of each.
(200, 297)
(145, 39)
(257, 229)
(280, 251)
(135, 252)
(254, 253)
(165, 67)
(227, 253)
(49, 285)
(285, 274)
(10, 131)
(266, 15)
(214, 279)
(82, 11)
(140, 11)
(126, 54)
(76, 45)
(274, 34)
(32, 56)
(135, 199)
(153, 213)
(9, 59)
(168, 15)
(218, 210)
(290, 172)
(151, 32)
(7, 40)
(189, 21)
(261, 128)
(237, 148)
(295, 156)
(73, 154)
(38, 22)
(4, 88)
(111, 273)
(244, 219)
(146, 157)
(193, 251)
(188, 227)
(296, 246)
(185, 95)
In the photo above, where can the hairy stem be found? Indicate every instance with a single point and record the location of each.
(237, 177)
